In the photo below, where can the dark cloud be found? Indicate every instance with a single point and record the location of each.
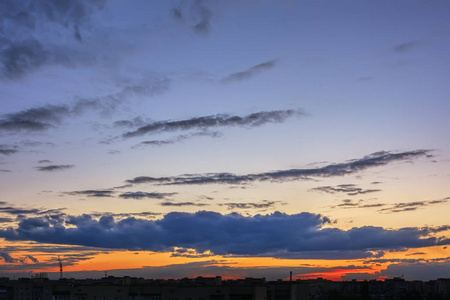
(136, 122)
(249, 205)
(25, 52)
(389, 207)
(20, 57)
(393, 260)
(7, 150)
(349, 189)
(28, 143)
(177, 14)
(107, 104)
(92, 193)
(18, 211)
(34, 119)
(142, 195)
(29, 262)
(329, 255)
(33, 259)
(214, 121)
(231, 234)
(238, 76)
(49, 116)
(44, 161)
(178, 139)
(53, 168)
(405, 47)
(194, 14)
(416, 253)
(365, 79)
(179, 204)
(50, 249)
(6, 220)
(410, 206)
(341, 169)
(419, 270)
(7, 258)
(349, 203)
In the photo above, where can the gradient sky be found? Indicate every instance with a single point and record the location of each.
(235, 138)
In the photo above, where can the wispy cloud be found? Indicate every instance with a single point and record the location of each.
(34, 119)
(349, 189)
(238, 76)
(179, 204)
(44, 161)
(24, 46)
(195, 14)
(144, 195)
(179, 138)
(50, 116)
(390, 207)
(102, 193)
(411, 206)
(350, 167)
(7, 150)
(52, 168)
(349, 203)
(405, 47)
(265, 204)
(215, 121)
(92, 193)
(20, 211)
(231, 234)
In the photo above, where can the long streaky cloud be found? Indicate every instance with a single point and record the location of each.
(49, 116)
(214, 121)
(52, 168)
(7, 151)
(35, 119)
(411, 206)
(92, 193)
(238, 76)
(349, 189)
(144, 195)
(233, 234)
(249, 205)
(350, 167)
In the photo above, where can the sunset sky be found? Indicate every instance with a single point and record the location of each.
(169, 139)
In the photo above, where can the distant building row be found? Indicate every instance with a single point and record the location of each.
(214, 288)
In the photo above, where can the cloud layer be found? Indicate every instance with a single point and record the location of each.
(350, 167)
(214, 121)
(276, 234)
(23, 24)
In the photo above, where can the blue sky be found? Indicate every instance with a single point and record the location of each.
(127, 117)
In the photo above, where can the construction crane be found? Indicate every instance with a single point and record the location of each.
(60, 268)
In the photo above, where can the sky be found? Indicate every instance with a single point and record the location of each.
(184, 138)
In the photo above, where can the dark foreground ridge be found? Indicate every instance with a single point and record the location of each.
(209, 288)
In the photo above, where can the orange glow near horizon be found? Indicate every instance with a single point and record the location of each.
(237, 266)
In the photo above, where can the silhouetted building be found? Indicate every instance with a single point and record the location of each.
(214, 288)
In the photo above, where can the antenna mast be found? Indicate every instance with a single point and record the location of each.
(60, 268)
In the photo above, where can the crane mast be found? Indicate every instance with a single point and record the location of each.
(60, 268)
